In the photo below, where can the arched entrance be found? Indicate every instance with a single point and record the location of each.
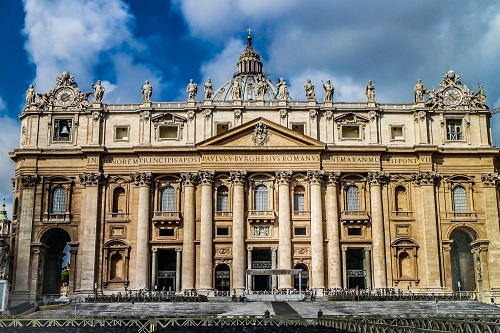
(304, 277)
(222, 277)
(54, 241)
(462, 261)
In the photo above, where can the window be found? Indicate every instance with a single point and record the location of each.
(354, 231)
(222, 199)
(459, 200)
(300, 231)
(299, 128)
(298, 199)
(222, 231)
(121, 133)
(166, 132)
(400, 198)
(119, 200)
(222, 128)
(62, 130)
(166, 232)
(167, 199)
(352, 198)
(350, 132)
(454, 130)
(397, 133)
(260, 197)
(59, 200)
(116, 269)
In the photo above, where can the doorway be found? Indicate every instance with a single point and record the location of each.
(52, 260)
(304, 277)
(261, 259)
(356, 273)
(222, 277)
(462, 261)
(166, 274)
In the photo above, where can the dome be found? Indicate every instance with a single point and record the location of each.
(250, 77)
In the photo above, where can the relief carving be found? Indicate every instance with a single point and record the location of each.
(189, 178)
(206, 177)
(260, 135)
(261, 231)
(377, 177)
(91, 178)
(141, 178)
(283, 176)
(237, 177)
(425, 177)
(301, 251)
(315, 176)
(489, 179)
(29, 180)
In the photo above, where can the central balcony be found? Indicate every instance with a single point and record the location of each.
(166, 218)
(355, 216)
(261, 216)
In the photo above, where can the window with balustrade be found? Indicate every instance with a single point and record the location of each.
(459, 199)
(352, 198)
(58, 201)
(167, 199)
(261, 196)
(222, 199)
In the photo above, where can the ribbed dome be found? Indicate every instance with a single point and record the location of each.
(249, 69)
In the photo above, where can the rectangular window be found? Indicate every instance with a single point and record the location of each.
(168, 132)
(222, 128)
(299, 128)
(62, 129)
(300, 231)
(354, 231)
(121, 133)
(350, 132)
(454, 130)
(167, 232)
(222, 231)
(397, 133)
(298, 202)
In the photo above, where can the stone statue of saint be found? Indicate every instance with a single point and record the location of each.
(147, 91)
(4, 256)
(329, 91)
(282, 89)
(309, 88)
(192, 90)
(236, 89)
(419, 92)
(30, 95)
(261, 86)
(370, 91)
(208, 89)
(98, 91)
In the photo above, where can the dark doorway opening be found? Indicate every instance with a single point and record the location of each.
(222, 277)
(304, 277)
(55, 241)
(165, 276)
(261, 259)
(356, 273)
(462, 261)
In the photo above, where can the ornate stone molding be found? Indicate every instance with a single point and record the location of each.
(190, 115)
(419, 115)
(329, 115)
(260, 135)
(91, 178)
(315, 176)
(332, 178)
(141, 178)
(425, 178)
(97, 116)
(372, 115)
(189, 178)
(237, 113)
(145, 115)
(237, 177)
(283, 176)
(489, 179)
(312, 114)
(206, 177)
(377, 177)
(28, 181)
(207, 113)
(283, 113)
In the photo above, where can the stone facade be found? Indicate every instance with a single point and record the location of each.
(188, 195)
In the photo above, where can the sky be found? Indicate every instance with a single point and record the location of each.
(168, 42)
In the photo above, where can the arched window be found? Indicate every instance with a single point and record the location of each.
(222, 199)
(459, 200)
(260, 197)
(352, 198)
(400, 196)
(168, 199)
(59, 200)
(119, 200)
(116, 269)
(405, 266)
(298, 198)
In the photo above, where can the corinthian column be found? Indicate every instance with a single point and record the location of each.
(238, 179)
(334, 264)
(317, 239)
(377, 215)
(189, 227)
(142, 180)
(490, 182)
(285, 228)
(206, 258)
(91, 182)
(21, 283)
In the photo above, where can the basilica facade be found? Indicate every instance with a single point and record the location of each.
(190, 195)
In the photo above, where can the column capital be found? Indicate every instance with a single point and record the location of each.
(179, 249)
(29, 181)
(206, 177)
(189, 178)
(237, 177)
(332, 178)
(283, 176)
(425, 178)
(88, 179)
(315, 176)
(377, 178)
(274, 248)
(249, 248)
(154, 249)
(489, 179)
(141, 178)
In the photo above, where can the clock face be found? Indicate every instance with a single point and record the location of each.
(452, 97)
(65, 96)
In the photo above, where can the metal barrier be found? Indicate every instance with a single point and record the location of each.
(362, 295)
(146, 297)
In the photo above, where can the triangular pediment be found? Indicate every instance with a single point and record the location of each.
(260, 134)
(351, 117)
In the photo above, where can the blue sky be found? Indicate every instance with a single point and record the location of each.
(167, 42)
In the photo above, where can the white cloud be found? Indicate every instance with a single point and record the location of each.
(80, 39)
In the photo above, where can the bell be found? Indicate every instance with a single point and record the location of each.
(64, 130)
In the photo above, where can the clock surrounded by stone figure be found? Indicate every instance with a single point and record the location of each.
(65, 97)
(452, 97)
